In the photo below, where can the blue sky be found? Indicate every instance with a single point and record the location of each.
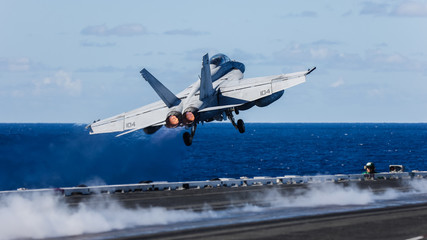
(76, 61)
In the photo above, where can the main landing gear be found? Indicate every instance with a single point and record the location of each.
(188, 137)
(240, 124)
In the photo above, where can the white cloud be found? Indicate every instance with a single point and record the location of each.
(377, 9)
(124, 30)
(20, 64)
(338, 83)
(62, 81)
(318, 55)
(394, 58)
(328, 56)
(379, 59)
(128, 30)
(321, 53)
(400, 9)
(15, 64)
(411, 9)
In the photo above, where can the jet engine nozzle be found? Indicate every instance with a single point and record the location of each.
(189, 116)
(173, 119)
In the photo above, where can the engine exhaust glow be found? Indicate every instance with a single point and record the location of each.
(189, 117)
(173, 119)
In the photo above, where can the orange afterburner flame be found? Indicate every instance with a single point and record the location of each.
(189, 116)
(173, 120)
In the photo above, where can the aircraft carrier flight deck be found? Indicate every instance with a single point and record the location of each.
(291, 207)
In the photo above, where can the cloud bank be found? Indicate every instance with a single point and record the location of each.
(328, 55)
(61, 80)
(20, 64)
(401, 9)
(124, 30)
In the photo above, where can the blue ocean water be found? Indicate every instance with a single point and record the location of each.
(60, 155)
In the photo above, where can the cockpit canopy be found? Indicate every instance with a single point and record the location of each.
(223, 65)
(219, 59)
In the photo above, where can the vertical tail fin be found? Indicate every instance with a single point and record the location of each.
(206, 88)
(165, 94)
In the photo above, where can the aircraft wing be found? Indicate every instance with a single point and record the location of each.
(240, 91)
(150, 115)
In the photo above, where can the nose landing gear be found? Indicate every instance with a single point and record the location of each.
(240, 125)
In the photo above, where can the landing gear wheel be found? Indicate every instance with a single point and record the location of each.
(241, 126)
(188, 139)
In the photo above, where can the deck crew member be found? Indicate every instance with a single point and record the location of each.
(370, 168)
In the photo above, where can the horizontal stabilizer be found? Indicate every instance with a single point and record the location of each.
(165, 94)
(206, 88)
(220, 107)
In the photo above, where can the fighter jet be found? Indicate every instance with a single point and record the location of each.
(219, 92)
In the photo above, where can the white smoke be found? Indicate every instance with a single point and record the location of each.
(326, 194)
(46, 215)
(419, 185)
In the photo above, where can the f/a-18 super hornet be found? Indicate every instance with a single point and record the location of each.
(220, 91)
